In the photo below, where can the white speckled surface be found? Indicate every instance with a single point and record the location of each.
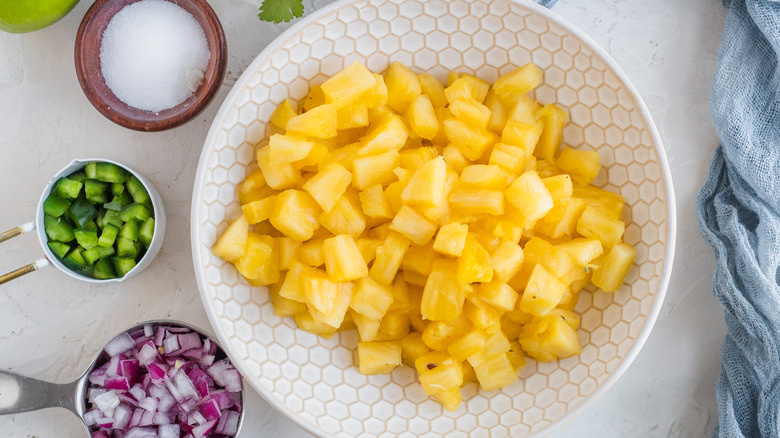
(51, 326)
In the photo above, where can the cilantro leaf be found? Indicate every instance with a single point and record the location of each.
(278, 11)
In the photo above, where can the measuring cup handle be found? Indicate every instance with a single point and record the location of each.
(32, 267)
(13, 232)
(23, 394)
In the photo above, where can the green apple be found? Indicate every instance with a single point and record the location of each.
(19, 16)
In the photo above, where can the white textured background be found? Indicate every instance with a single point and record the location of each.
(52, 326)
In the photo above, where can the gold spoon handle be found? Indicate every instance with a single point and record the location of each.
(32, 267)
(13, 232)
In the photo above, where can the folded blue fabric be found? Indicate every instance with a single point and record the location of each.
(739, 217)
(547, 3)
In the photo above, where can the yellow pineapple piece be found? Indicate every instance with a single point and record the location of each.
(393, 327)
(288, 249)
(510, 158)
(305, 321)
(367, 328)
(253, 188)
(431, 87)
(484, 176)
(467, 86)
(442, 114)
(348, 84)
(371, 298)
(571, 318)
(282, 114)
(374, 202)
(495, 372)
(314, 99)
(482, 315)
(549, 338)
(510, 328)
(282, 306)
(556, 260)
(443, 296)
(419, 259)
(412, 347)
(292, 287)
(284, 149)
(388, 134)
(402, 87)
(497, 112)
(345, 156)
(422, 117)
(277, 176)
(497, 294)
(582, 251)
(327, 186)
(328, 300)
(509, 86)
(471, 111)
(595, 224)
(451, 239)
(426, 186)
(318, 154)
(312, 252)
(352, 115)
(445, 376)
(455, 158)
(528, 194)
(413, 226)
(412, 158)
(415, 278)
(367, 248)
(559, 186)
(604, 201)
(378, 357)
(522, 135)
(346, 216)
(553, 119)
(583, 166)
(402, 297)
(375, 169)
(258, 211)
(473, 265)
(524, 110)
(467, 345)
(543, 292)
(471, 200)
(614, 267)
(472, 141)
(377, 95)
(343, 259)
(232, 244)
(319, 122)
(260, 263)
(562, 219)
(295, 214)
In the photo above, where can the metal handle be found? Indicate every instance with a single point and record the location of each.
(23, 394)
(13, 232)
(32, 267)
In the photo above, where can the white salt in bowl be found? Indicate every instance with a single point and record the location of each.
(90, 75)
(315, 381)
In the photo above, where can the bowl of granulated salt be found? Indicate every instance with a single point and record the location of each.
(150, 65)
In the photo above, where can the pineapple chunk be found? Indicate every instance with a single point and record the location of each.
(375, 169)
(348, 84)
(522, 135)
(454, 158)
(393, 327)
(432, 88)
(443, 296)
(471, 112)
(295, 214)
(232, 244)
(559, 186)
(402, 87)
(343, 259)
(604, 201)
(282, 306)
(426, 187)
(371, 299)
(422, 117)
(319, 122)
(472, 141)
(497, 112)
(583, 166)
(596, 225)
(253, 188)
(288, 249)
(345, 217)
(412, 347)
(312, 252)
(413, 226)
(499, 295)
(367, 328)
(473, 265)
(327, 186)
(388, 134)
(528, 194)
(377, 95)
(484, 176)
(305, 321)
(368, 248)
(282, 114)
(470, 200)
(374, 203)
(277, 176)
(482, 315)
(467, 345)
(543, 292)
(495, 372)
(378, 357)
(283, 149)
(553, 119)
(419, 259)
(582, 251)
(412, 158)
(314, 99)
(353, 115)
(292, 286)
(510, 86)
(466, 86)
(562, 219)
(451, 239)
(510, 158)
(446, 375)
(549, 338)
(328, 300)
(389, 257)
(260, 263)
(524, 110)
(614, 267)
(258, 211)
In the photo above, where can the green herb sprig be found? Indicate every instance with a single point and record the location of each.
(280, 11)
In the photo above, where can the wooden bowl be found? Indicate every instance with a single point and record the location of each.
(90, 75)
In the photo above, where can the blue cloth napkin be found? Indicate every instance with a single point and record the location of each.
(739, 217)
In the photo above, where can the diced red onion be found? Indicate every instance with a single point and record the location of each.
(159, 336)
(207, 361)
(149, 403)
(90, 417)
(210, 410)
(203, 429)
(119, 344)
(147, 354)
(107, 402)
(228, 424)
(168, 431)
(122, 415)
(141, 432)
(188, 341)
(94, 392)
(138, 393)
(196, 417)
(117, 383)
(148, 330)
(171, 344)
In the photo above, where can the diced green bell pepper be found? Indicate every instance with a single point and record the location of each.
(116, 206)
(130, 229)
(74, 260)
(55, 206)
(110, 173)
(57, 229)
(79, 176)
(135, 211)
(58, 248)
(108, 236)
(91, 255)
(123, 265)
(91, 170)
(126, 248)
(137, 191)
(82, 211)
(112, 217)
(68, 188)
(87, 238)
(146, 232)
(96, 191)
(103, 269)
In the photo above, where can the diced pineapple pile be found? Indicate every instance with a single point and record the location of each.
(443, 223)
